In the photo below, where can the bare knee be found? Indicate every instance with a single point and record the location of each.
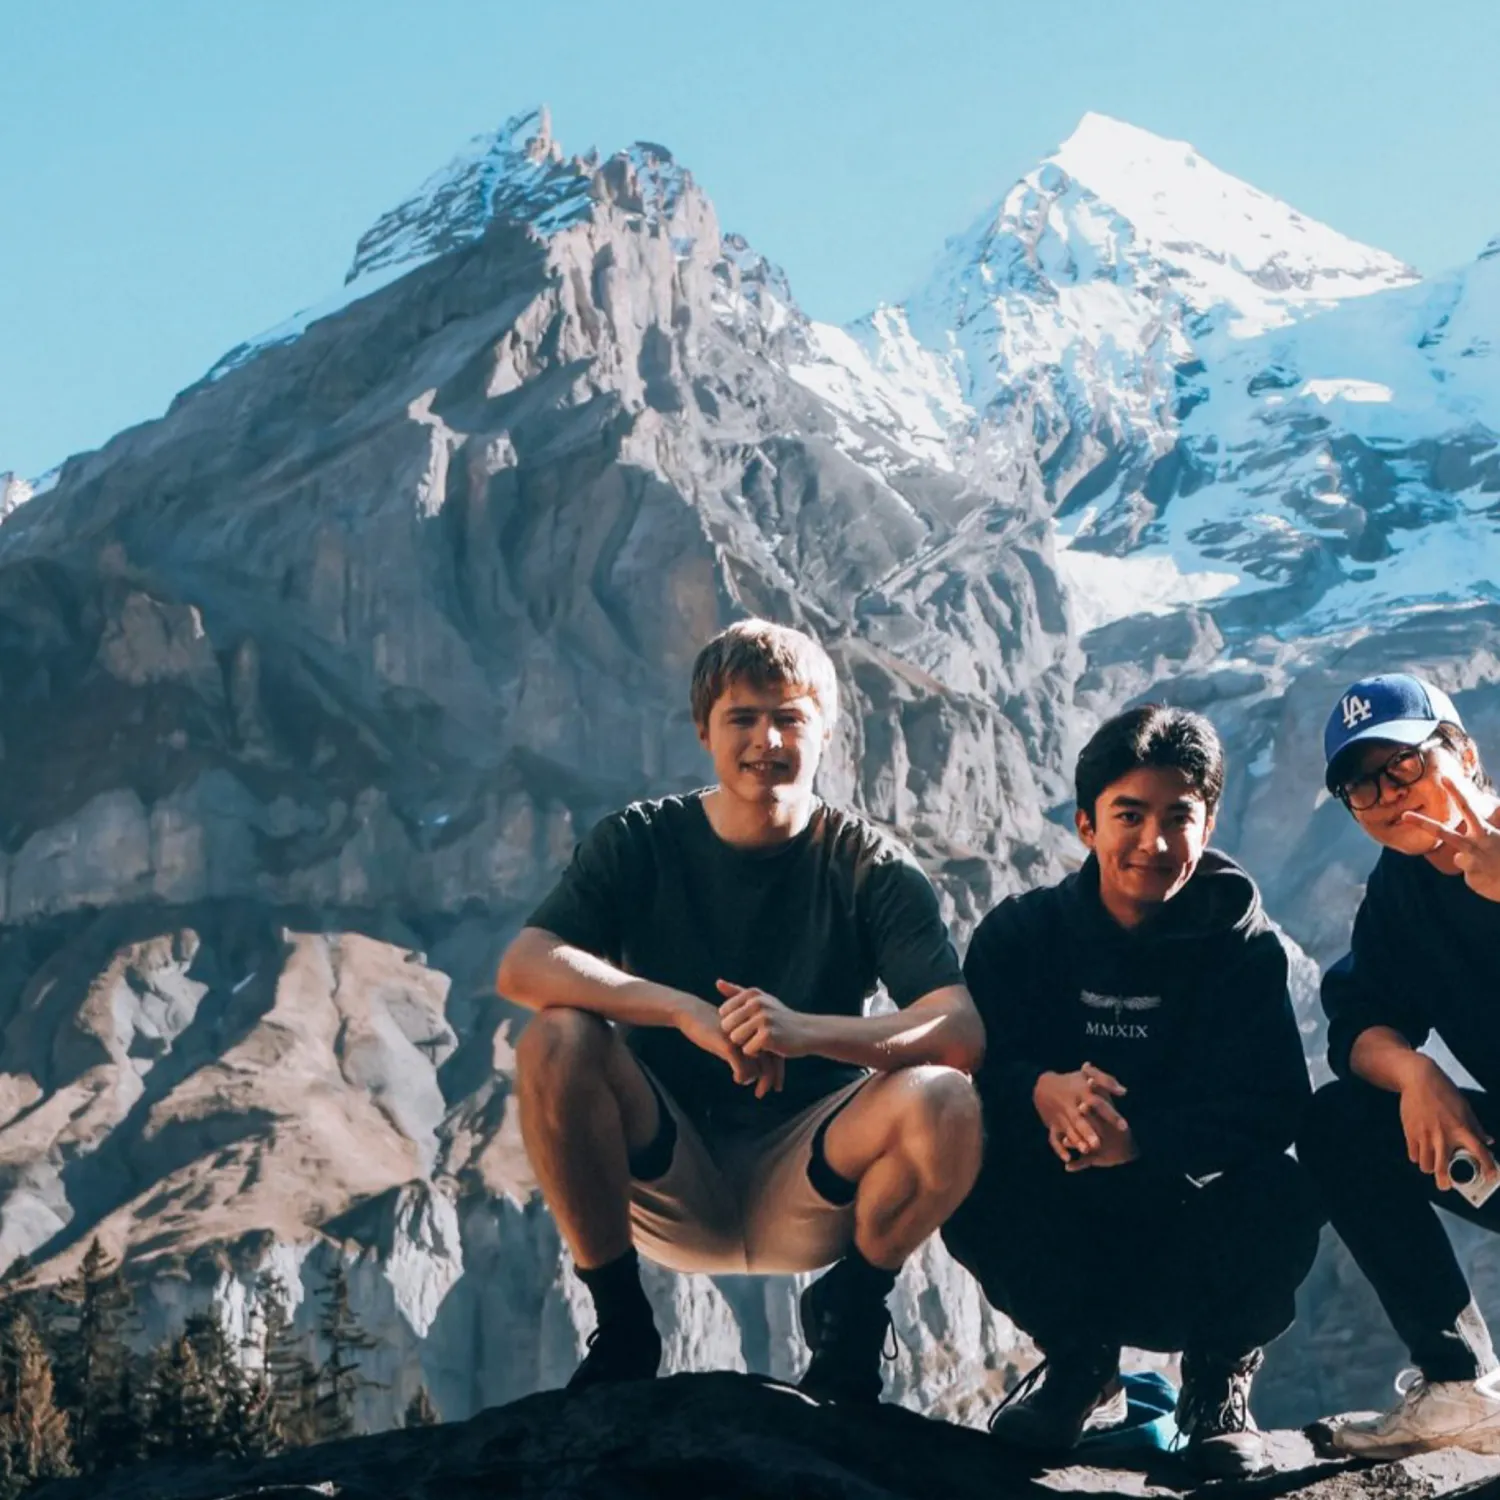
(558, 1047)
(567, 1063)
(942, 1125)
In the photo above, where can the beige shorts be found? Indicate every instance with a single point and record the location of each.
(744, 1203)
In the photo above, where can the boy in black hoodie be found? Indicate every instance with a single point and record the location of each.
(1143, 1081)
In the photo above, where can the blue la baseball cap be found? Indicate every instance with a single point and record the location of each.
(1394, 706)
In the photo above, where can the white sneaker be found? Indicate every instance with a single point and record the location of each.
(1436, 1414)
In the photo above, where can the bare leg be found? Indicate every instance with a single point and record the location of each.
(912, 1141)
(585, 1106)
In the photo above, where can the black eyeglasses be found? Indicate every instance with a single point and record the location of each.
(1404, 767)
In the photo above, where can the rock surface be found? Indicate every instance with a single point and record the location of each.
(723, 1437)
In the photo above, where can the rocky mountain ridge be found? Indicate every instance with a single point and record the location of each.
(314, 682)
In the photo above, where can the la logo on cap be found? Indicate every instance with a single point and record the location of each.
(1356, 710)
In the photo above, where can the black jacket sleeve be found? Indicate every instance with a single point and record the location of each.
(1365, 988)
(997, 970)
(1240, 1081)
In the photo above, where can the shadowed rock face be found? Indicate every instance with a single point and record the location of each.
(311, 686)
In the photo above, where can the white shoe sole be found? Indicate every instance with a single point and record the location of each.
(1479, 1439)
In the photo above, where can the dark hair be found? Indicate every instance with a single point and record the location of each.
(764, 655)
(1153, 735)
(1457, 740)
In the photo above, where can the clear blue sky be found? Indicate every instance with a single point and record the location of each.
(178, 174)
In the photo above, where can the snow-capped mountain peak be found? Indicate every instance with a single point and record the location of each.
(517, 171)
(1121, 236)
(1182, 206)
(1227, 397)
(1120, 259)
(14, 492)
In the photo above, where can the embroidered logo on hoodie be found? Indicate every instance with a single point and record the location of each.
(1120, 1005)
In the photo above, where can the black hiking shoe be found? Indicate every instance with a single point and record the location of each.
(1213, 1415)
(845, 1325)
(1073, 1391)
(618, 1351)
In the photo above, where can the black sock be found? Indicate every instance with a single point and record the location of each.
(836, 1190)
(875, 1280)
(617, 1291)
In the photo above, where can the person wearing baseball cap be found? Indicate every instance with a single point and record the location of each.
(1424, 959)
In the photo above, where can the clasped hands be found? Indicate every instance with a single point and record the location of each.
(751, 1031)
(1084, 1128)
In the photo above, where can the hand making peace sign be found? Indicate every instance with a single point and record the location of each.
(1474, 840)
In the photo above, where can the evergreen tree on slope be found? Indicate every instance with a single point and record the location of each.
(35, 1443)
(88, 1330)
(420, 1411)
(339, 1380)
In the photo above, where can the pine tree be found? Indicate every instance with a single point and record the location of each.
(183, 1417)
(339, 1379)
(244, 1416)
(223, 1376)
(8, 1358)
(120, 1428)
(292, 1376)
(206, 1333)
(249, 1424)
(33, 1430)
(18, 1289)
(300, 1419)
(87, 1328)
(420, 1412)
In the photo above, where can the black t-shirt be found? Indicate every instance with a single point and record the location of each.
(1425, 956)
(816, 921)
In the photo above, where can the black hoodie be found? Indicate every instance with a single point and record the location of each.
(1189, 1011)
(1424, 958)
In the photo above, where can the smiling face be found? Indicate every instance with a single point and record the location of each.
(1427, 795)
(766, 742)
(1148, 833)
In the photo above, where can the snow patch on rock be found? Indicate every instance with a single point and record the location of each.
(1103, 588)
